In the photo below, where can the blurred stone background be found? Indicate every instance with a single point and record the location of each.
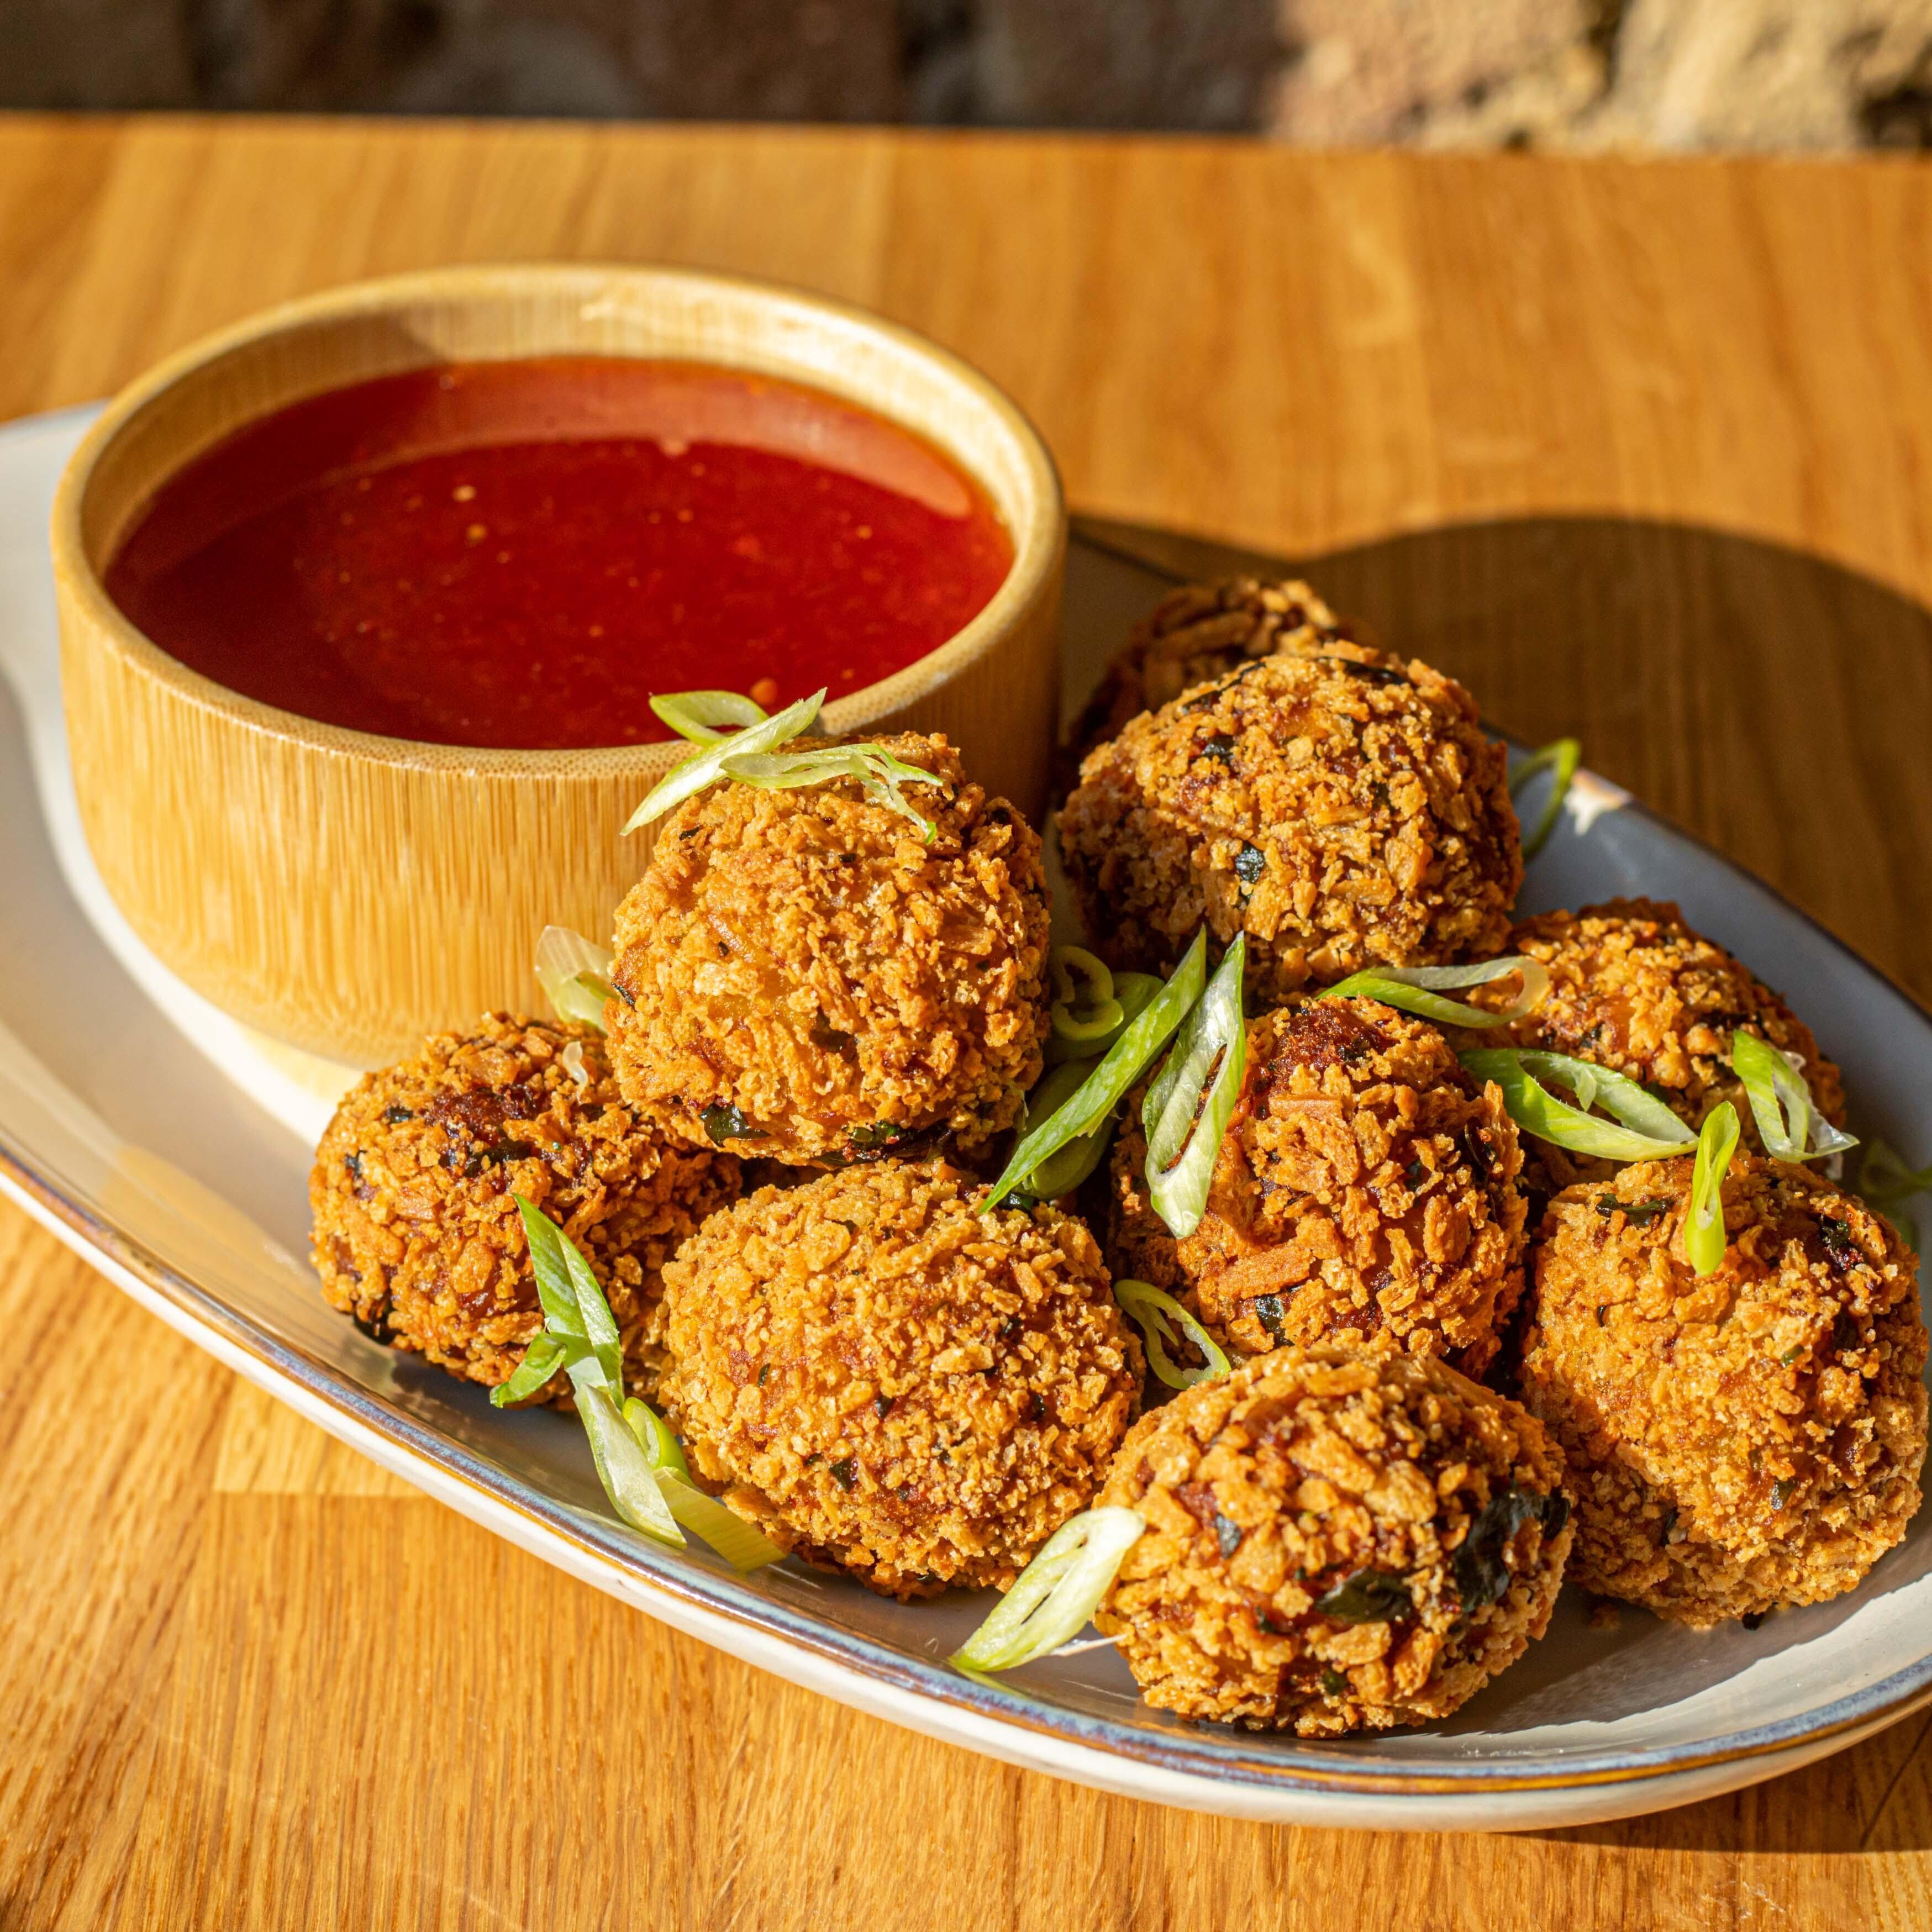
(1579, 74)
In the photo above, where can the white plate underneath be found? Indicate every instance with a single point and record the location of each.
(170, 1147)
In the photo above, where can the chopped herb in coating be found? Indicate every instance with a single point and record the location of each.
(1227, 1534)
(1269, 1313)
(1333, 1684)
(1640, 1213)
(845, 1473)
(1483, 1575)
(1839, 1249)
(1250, 863)
(725, 1124)
(1368, 1597)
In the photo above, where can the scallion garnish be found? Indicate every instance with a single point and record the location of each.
(1132, 993)
(1789, 1125)
(1056, 1593)
(1644, 1128)
(1704, 1226)
(741, 1545)
(1100, 1092)
(708, 765)
(1560, 758)
(1076, 1019)
(1885, 1183)
(1061, 1173)
(1155, 1314)
(696, 714)
(575, 975)
(638, 1460)
(1413, 989)
(1188, 1107)
(749, 756)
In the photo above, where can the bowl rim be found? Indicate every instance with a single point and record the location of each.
(1039, 537)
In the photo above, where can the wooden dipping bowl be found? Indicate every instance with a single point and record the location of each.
(346, 893)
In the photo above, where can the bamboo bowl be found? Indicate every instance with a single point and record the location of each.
(346, 893)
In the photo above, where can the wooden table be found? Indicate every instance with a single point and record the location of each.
(249, 1680)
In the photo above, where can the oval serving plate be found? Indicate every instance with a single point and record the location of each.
(95, 1082)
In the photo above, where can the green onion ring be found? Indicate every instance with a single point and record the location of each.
(1100, 1014)
(575, 975)
(1124, 1062)
(706, 766)
(693, 714)
(1639, 1132)
(1413, 989)
(1132, 993)
(1056, 1593)
(1560, 757)
(1153, 1312)
(1788, 1122)
(1187, 1109)
(1704, 1226)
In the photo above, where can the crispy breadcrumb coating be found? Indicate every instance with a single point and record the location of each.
(1344, 810)
(1633, 989)
(416, 1236)
(1339, 1539)
(800, 977)
(885, 1382)
(1367, 1184)
(1751, 1438)
(1198, 633)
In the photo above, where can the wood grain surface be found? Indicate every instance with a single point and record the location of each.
(1641, 450)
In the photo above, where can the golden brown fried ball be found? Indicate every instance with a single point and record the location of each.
(1633, 989)
(1339, 1539)
(1751, 1439)
(1343, 811)
(887, 1382)
(1197, 633)
(801, 977)
(415, 1234)
(1366, 1185)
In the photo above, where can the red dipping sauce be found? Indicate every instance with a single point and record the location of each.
(519, 553)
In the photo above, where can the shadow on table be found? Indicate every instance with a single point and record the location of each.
(1777, 703)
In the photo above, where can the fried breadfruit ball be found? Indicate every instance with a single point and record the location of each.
(415, 1234)
(1195, 634)
(1339, 1539)
(801, 977)
(1633, 989)
(887, 1382)
(1366, 1185)
(1749, 1438)
(1343, 808)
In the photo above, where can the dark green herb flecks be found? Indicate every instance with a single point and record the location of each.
(1846, 1334)
(1482, 1574)
(876, 1135)
(1268, 1313)
(725, 1124)
(1219, 746)
(353, 1161)
(845, 1473)
(882, 1406)
(1839, 1249)
(1227, 1534)
(1368, 1597)
(1640, 1213)
(396, 1116)
(1333, 1682)
(1250, 863)
(1780, 1493)
(1791, 1355)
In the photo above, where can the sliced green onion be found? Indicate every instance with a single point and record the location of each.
(1560, 758)
(1061, 1173)
(1154, 1313)
(1789, 1125)
(1101, 1091)
(577, 1314)
(1646, 1129)
(882, 775)
(575, 975)
(545, 1355)
(1056, 1593)
(740, 1544)
(696, 714)
(707, 766)
(1704, 1226)
(1412, 988)
(1885, 1182)
(1132, 993)
(1187, 1109)
(1077, 1021)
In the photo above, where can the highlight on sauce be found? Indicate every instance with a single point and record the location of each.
(519, 553)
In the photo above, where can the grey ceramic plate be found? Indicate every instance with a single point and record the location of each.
(121, 1135)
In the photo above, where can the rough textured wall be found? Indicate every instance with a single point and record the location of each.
(1817, 74)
